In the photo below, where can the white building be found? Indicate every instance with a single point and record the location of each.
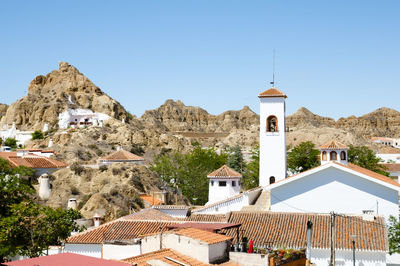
(20, 136)
(272, 136)
(223, 183)
(76, 118)
(204, 246)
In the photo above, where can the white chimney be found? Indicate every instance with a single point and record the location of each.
(72, 204)
(96, 219)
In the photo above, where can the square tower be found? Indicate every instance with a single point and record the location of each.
(272, 136)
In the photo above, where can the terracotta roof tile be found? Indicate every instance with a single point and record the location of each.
(215, 218)
(333, 145)
(31, 160)
(164, 255)
(371, 174)
(273, 92)
(392, 167)
(149, 215)
(151, 200)
(289, 230)
(122, 155)
(202, 235)
(118, 230)
(176, 207)
(211, 227)
(224, 172)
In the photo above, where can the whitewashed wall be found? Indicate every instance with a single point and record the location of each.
(92, 250)
(332, 189)
(218, 251)
(218, 193)
(321, 257)
(119, 252)
(272, 144)
(389, 157)
(180, 213)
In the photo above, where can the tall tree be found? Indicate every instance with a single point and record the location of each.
(394, 235)
(235, 159)
(251, 173)
(365, 157)
(302, 157)
(188, 172)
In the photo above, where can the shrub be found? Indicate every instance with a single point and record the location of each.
(10, 142)
(77, 168)
(103, 168)
(137, 149)
(37, 134)
(116, 171)
(85, 198)
(74, 190)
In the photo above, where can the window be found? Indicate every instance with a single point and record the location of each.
(212, 183)
(333, 156)
(272, 124)
(233, 183)
(222, 183)
(272, 179)
(324, 156)
(342, 156)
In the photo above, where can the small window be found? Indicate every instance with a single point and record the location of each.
(212, 183)
(222, 183)
(272, 124)
(342, 156)
(233, 183)
(272, 179)
(333, 156)
(324, 156)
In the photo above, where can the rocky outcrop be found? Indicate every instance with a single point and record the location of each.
(303, 118)
(3, 109)
(56, 92)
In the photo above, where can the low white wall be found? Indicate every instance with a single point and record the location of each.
(248, 259)
(119, 252)
(218, 252)
(345, 257)
(92, 250)
(181, 213)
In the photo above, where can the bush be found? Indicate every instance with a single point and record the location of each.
(10, 142)
(37, 134)
(103, 168)
(77, 168)
(116, 171)
(85, 198)
(137, 149)
(74, 190)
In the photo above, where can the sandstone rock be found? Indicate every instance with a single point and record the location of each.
(3, 109)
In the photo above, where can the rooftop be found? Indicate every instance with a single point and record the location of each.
(224, 172)
(65, 259)
(168, 256)
(392, 167)
(122, 155)
(273, 92)
(289, 230)
(333, 145)
(31, 160)
(151, 200)
(202, 235)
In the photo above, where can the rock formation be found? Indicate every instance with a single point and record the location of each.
(51, 94)
(3, 109)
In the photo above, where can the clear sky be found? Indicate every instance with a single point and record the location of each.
(337, 58)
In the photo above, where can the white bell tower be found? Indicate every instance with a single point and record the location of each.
(272, 136)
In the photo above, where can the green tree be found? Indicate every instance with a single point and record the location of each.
(235, 159)
(188, 172)
(11, 142)
(251, 173)
(31, 228)
(37, 134)
(394, 235)
(365, 157)
(302, 157)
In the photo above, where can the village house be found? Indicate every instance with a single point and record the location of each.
(121, 156)
(78, 118)
(223, 183)
(20, 136)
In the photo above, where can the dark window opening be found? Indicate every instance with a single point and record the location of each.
(333, 156)
(272, 124)
(324, 156)
(222, 183)
(272, 179)
(342, 156)
(233, 183)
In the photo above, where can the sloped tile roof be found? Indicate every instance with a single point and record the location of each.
(31, 161)
(215, 218)
(273, 92)
(65, 259)
(202, 235)
(149, 215)
(224, 172)
(392, 167)
(151, 200)
(164, 255)
(118, 230)
(289, 230)
(211, 227)
(171, 207)
(333, 145)
(371, 174)
(122, 155)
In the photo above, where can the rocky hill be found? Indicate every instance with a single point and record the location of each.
(50, 95)
(3, 109)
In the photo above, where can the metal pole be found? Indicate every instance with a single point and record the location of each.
(354, 252)
(332, 263)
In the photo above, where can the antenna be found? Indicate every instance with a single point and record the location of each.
(273, 68)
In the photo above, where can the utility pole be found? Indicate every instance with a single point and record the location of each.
(160, 234)
(332, 263)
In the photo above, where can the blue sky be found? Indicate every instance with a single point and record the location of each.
(337, 58)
